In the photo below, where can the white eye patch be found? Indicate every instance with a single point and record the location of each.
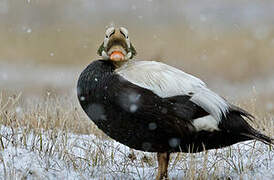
(124, 31)
(109, 31)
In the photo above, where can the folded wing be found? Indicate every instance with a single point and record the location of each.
(167, 81)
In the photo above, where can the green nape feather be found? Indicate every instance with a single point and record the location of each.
(132, 50)
(100, 50)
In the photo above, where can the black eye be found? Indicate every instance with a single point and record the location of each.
(123, 34)
(110, 34)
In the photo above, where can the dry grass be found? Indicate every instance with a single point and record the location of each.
(55, 129)
(47, 113)
(61, 142)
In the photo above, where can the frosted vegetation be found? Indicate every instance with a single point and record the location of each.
(44, 45)
(51, 138)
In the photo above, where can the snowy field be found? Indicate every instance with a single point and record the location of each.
(44, 134)
(60, 155)
(44, 45)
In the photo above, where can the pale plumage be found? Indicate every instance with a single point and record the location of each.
(167, 81)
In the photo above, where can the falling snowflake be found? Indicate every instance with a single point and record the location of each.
(146, 146)
(203, 18)
(29, 30)
(133, 108)
(4, 76)
(18, 109)
(82, 98)
(96, 112)
(174, 142)
(152, 126)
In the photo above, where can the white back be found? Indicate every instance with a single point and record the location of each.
(167, 81)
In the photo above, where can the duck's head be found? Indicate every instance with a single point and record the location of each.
(116, 46)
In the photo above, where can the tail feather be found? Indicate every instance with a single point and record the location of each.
(241, 112)
(260, 137)
(236, 122)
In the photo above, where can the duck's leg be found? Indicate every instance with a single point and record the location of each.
(163, 159)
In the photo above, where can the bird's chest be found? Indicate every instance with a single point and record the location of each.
(100, 103)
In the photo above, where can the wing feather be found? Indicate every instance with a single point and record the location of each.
(167, 81)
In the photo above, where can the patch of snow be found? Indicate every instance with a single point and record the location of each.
(60, 155)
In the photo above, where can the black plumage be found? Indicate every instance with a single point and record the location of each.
(153, 107)
(142, 120)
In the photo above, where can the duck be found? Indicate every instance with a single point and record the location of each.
(153, 107)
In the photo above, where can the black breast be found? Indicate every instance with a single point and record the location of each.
(137, 117)
(127, 113)
(142, 120)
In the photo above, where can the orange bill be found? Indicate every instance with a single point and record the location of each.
(117, 56)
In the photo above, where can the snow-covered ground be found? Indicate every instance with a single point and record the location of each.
(34, 153)
(30, 152)
(60, 155)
